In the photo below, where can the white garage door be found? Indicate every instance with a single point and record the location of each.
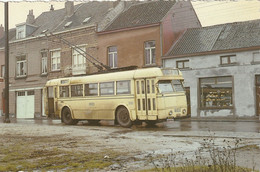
(25, 104)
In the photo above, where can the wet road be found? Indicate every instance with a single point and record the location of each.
(180, 125)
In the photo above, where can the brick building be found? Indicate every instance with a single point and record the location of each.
(144, 32)
(37, 54)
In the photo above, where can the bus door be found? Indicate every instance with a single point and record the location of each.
(146, 99)
(51, 99)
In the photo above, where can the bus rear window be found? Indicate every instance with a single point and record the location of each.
(177, 84)
(64, 91)
(76, 90)
(165, 86)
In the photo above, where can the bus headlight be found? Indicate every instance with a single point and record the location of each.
(170, 113)
(184, 111)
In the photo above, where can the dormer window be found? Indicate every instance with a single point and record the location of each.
(68, 24)
(86, 20)
(24, 30)
(20, 32)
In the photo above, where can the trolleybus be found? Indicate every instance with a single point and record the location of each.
(148, 95)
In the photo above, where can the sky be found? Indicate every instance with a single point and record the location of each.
(210, 12)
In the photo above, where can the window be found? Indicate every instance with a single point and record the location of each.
(21, 66)
(78, 59)
(123, 87)
(107, 88)
(182, 64)
(55, 60)
(165, 86)
(91, 89)
(177, 84)
(2, 71)
(231, 59)
(216, 92)
(64, 91)
(149, 52)
(112, 57)
(20, 32)
(76, 90)
(44, 62)
(256, 57)
(50, 92)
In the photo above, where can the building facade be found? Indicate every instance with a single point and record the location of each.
(220, 65)
(141, 34)
(37, 52)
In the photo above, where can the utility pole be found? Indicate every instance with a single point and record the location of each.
(6, 118)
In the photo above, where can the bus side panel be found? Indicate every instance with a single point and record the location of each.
(107, 106)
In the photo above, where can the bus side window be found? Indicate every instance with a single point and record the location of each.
(64, 91)
(123, 87)
(91, 89)
(106, 88)
(76, 90)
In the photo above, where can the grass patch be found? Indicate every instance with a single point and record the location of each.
(197, 169)
(46, 153)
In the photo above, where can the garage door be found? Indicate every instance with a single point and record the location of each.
(25, 104)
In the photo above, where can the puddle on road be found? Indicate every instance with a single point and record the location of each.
(179, 125)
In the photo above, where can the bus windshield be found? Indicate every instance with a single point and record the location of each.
(177, 84)
(165, 86)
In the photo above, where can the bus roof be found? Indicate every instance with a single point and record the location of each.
(124, 75)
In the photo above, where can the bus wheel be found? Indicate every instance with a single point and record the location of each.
(66, 117)
(150, 123)
(123, 118)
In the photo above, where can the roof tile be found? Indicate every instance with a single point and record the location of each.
(141, 14)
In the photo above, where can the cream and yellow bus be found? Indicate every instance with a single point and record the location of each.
(148, 95)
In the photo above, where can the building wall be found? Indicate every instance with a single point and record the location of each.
(34, 80)
(130, 45)
(177, 20)
(84, 37)
(243, 73)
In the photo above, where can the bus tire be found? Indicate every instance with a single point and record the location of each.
(67, 118)
(123, 118)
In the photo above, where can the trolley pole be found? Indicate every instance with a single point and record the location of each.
(6, 118)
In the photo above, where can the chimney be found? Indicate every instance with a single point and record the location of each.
(30, 17)
(2, 31)
(69, 7)
(52, 8)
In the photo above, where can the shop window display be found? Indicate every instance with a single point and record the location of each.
(216, 92)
